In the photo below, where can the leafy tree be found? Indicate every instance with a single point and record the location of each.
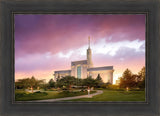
(133, 80)
(58, 78)
(34, 83)
(28, 82)
(45, 86)
(23, 83)
(59, 83)
(141, 84)
(79, 82)
(89, 81)
(67, 81)
(51, 83)
(19, 85)
(106, 85)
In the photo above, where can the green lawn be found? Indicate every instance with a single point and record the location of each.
(108, 95)
(113, 95)
(21, 95)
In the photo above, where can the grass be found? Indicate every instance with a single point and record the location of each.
(21, 95)
(113, 95)
(108, 95)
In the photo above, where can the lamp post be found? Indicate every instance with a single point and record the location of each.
(88, 91)
(127, 88)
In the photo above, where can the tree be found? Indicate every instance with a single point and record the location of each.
(28, 82)
(142, 74)
(23, 83)
(51, 83)
(79, 82)
(141, 83)
(59, 83)
(127, 79)
(127, 74)
(89, 81)
(58, 78)
(98, 81)
(34, 83)
(133, 80)
(67, 81)
(99, 78)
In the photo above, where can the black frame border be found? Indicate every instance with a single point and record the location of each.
(7, 7)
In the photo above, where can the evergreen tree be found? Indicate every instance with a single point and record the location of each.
(98, 81)
(142, 74)
(141, 83)
(127, 79)
(99, 78)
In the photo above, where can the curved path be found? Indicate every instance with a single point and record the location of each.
(70, 98)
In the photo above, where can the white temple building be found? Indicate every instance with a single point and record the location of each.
(84, 68)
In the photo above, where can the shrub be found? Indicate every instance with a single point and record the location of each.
(113, 87)
(37, 92)
(104, 85)
(40, 93)
(19, 95)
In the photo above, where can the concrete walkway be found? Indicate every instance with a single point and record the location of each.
(70, 98)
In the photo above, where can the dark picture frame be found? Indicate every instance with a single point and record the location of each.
(10, 108)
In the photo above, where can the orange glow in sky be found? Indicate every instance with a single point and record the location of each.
(45, 43)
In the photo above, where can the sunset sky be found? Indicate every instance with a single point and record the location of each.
(45, 43)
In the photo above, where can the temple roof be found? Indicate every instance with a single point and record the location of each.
(79, 62)
(100, 68)
(63, 71)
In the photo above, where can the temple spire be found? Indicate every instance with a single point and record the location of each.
(89, 42)
(89, 54)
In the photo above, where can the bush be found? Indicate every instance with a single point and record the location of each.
(113, 87)
(137, 89)
(17, 95)
(83, 90)
(40, 93)
(37, 92)
(52, 89)
(103, 86)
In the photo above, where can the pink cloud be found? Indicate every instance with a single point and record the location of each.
(54, 33)
(37, 35)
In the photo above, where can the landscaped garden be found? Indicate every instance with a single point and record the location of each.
(130, 88)
(107, 95)
(21, 95)
(113, 95)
